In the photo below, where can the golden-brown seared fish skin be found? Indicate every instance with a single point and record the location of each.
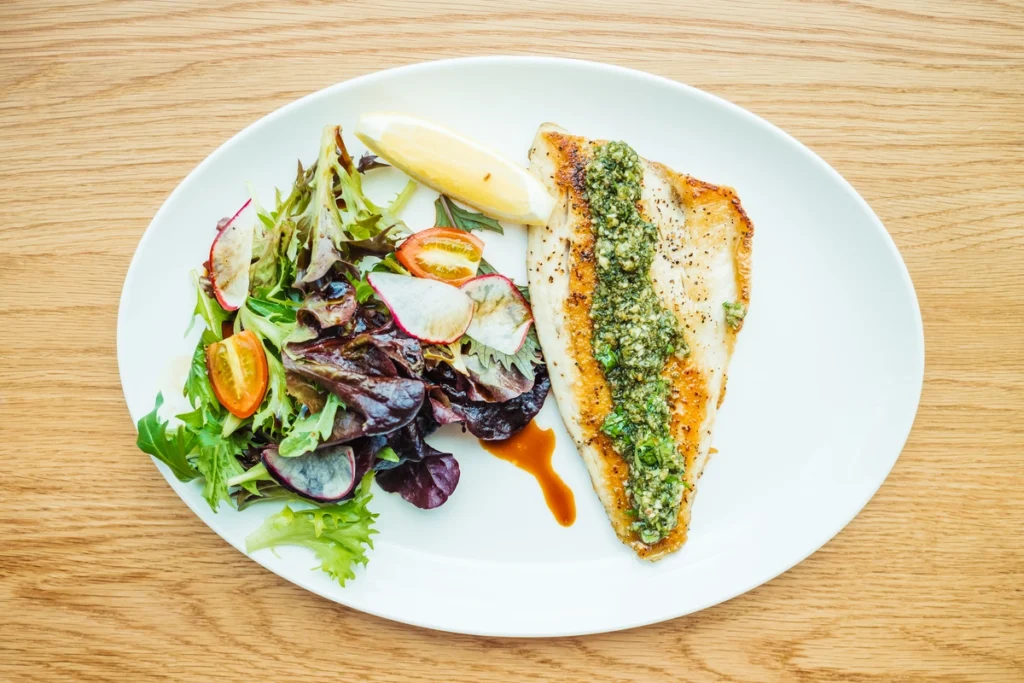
(702, 260)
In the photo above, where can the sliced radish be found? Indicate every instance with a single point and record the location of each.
(325, 475)
(430, 310)
(502, 317)
(230, 256)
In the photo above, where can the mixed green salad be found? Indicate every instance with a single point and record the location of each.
(335, 341)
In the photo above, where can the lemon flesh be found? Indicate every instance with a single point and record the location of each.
(457, 167)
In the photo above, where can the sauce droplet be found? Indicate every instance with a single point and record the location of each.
(531, 450)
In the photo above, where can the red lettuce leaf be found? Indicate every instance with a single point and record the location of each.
(487, 421)
(332, 306)
(399, 347)
(424, 476)
(494, 383)
(363, 377)
(427, 484)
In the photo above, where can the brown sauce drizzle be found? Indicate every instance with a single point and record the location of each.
(531, 450)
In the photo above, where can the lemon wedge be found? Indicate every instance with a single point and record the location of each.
(456, 166)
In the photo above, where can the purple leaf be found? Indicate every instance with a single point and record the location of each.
(332, 306)
(427, 484)
(490, 421)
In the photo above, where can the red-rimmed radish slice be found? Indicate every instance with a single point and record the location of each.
(502, 317)
(429, 310)
(326, 475)
(230, 256)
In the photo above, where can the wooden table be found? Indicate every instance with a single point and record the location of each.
(105, 106)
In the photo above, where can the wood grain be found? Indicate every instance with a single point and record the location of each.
(106, 105)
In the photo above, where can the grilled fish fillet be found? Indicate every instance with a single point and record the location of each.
(702, 260)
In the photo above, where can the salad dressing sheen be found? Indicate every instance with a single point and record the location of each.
(531, 450)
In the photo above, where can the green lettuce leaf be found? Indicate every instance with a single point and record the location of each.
(309, 431)
(171, 447)
(338, 534)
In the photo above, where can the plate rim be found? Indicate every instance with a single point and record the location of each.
(656, 616)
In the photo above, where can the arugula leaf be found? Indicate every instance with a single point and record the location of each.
(447, 214)
(194, 419)
(208, 309)
(278, 311)
(218, 461)
(338, 534)
(309, 431)
(172, 448)
(523, 360)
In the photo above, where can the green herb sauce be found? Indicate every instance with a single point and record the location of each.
(633, 338)
(735, 312)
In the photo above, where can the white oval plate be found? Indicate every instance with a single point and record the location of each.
(823, 386)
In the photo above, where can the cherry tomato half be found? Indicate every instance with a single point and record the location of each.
(444, 254)
(238, 372)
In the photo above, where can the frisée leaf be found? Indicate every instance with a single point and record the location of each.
(198, 389)
(218, 461)
(338, 534)
(277, 403)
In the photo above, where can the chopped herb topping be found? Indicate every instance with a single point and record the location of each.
(734, 314)
(634, 335)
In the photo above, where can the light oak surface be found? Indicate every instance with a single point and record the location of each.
(106, 105)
